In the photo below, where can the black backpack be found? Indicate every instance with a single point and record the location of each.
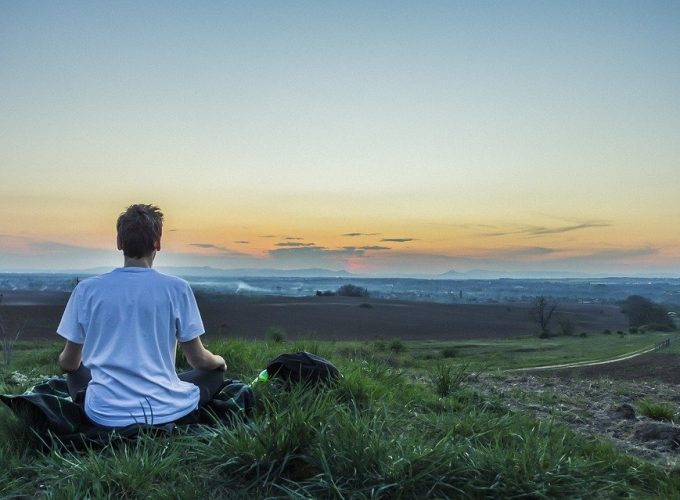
(305, 367)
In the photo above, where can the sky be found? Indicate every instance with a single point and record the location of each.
(381, 138)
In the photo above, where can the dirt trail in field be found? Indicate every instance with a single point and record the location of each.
(587, 363)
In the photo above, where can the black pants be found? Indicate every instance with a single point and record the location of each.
(209, 383)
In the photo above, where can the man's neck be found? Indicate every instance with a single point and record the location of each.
(146, 261)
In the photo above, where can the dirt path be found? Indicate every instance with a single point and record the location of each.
(578, 364)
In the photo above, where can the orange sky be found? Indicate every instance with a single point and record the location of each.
(516, 138)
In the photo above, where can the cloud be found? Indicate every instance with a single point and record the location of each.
(293, 238)
(294, 244)
(542, 230)
(617, 253)
(526, 252)
(221, 250)
(242, 242)
(368, 247)
(267, 236)
(374, 247)
(316, 256)
(398, 240)
(360, 234)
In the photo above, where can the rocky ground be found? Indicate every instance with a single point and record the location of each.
(600, 407)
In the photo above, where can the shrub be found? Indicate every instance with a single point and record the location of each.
(276, 334)
(657, 411)
(449, 352)
(583, 334)
(447, 379)
(633, 329)
(365, 305)
(325, 293)
(607, 331)
(350, 290)
(397, 346)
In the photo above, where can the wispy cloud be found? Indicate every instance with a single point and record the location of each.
(293, 238)
(316, 256)
(267, 236)
(543, 230)
(526, 252)
(375, 247)
(360, 234)
(241, 242)
(294, 244)
(617, 253)
(398, 240)
(220, 249)
(368, 247)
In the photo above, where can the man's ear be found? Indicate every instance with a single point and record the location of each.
(119, 243)
(157, 245)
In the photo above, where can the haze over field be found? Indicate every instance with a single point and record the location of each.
(392, 138)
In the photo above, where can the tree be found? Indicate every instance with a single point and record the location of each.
(541, 311)
(642, 311)
(350, 290)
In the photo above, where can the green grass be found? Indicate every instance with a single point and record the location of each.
(527, 352)
(657, 411)
(398, 425)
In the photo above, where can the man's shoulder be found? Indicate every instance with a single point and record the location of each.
(171, 279)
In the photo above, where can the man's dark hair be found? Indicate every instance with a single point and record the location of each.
(139, 227)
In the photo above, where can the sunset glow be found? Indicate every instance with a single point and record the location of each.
(389, 138)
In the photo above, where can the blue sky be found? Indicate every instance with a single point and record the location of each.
(474, 131)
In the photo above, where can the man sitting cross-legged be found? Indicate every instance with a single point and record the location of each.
(124, 327)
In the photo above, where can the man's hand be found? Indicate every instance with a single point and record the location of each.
(199, 357)
(222, 363)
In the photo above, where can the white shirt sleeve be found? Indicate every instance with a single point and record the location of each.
(71, 327)
(189, 323)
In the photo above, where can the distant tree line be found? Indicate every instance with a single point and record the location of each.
(347, 290)
(643, 312)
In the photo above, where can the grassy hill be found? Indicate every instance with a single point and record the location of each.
(403, 422)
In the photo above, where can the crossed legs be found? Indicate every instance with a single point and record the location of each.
(208, 382)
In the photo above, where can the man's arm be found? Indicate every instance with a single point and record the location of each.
(199, 357)
(70, 357)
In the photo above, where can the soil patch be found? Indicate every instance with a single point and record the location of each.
(602, 407)
(658, 365)
(330, 318)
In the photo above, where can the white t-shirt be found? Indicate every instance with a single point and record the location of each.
(129, 322)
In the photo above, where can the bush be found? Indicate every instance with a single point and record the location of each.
(350, 290)
(397, 346)
(657, 411)
(276, 334)
(583, 334)
(449, 352)
(633, 329)
(607, 331)
(446, 378)
(325, 293)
